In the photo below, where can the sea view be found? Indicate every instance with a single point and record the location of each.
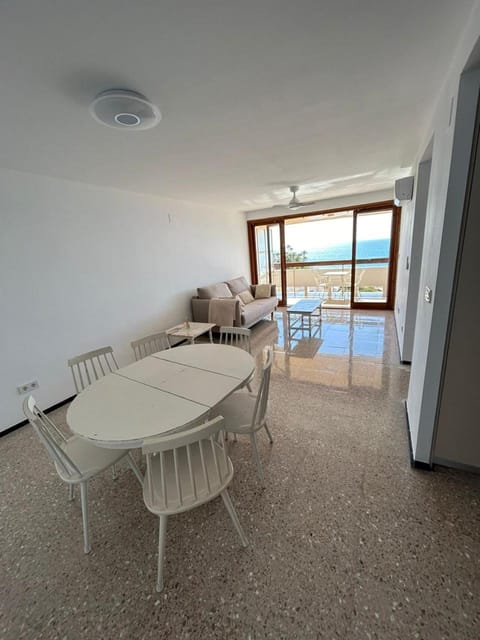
(379, 248)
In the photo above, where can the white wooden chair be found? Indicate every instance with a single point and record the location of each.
(75, 459)
(150, 344)
(184, 471)
(245, 413)
(94, 365)
(237, 337)
(90, 366)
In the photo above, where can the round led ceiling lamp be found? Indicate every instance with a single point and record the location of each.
(123, 109)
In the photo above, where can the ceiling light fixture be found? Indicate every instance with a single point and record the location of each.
(125, 109)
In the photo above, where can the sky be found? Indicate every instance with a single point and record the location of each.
(332, 231)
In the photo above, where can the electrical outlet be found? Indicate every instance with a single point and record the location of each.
(27, 387)
(428, 294)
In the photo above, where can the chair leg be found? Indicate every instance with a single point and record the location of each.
(235, 437)
(249, 387)
(233, 515)
(268, 433)
(84, 498)
(71, 495)
(256, 457)
(134, 467)
(162, 531)
(114, 472)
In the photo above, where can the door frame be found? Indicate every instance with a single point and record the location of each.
(280, 220)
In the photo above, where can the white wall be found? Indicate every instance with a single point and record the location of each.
(82, 267)
(330, 203)
(457, 441)
(442, 222)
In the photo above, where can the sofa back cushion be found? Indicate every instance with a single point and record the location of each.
(237, 285)
(263, 291)
(218, 290)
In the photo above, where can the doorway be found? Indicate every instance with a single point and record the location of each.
(346, 258)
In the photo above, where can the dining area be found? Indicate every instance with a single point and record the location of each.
(169, 418)
(314, 508)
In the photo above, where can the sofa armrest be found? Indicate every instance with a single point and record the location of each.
(200, 309)
(273, 290)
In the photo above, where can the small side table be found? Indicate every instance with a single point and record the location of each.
(191, 332)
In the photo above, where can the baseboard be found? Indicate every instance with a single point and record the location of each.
(416, 464)
(24, 422)
(456, 465)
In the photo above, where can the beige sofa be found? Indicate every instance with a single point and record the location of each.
(245, 315)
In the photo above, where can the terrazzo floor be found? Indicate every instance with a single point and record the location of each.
(346, 540)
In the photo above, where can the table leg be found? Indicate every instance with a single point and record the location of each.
(288, 322)
(309, 325)
(210, 336)
(191, 340)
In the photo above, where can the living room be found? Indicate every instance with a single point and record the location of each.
(108, 234)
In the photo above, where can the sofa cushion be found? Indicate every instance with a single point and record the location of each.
(263, 291)
(246, 297)
(242, 304)
(257, 310)
(237, 285)
(218, 290)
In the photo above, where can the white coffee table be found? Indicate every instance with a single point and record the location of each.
(191, 332)
(304, 309)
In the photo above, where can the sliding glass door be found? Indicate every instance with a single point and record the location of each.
(344, 258)
(373, 232)
(318, 258)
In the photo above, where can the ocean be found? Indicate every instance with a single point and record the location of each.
(379, 248)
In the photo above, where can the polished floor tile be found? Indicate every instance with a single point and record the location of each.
(346, 540)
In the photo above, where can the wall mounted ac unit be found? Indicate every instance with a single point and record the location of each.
(403, 190)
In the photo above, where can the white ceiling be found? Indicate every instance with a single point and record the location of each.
(255, 94)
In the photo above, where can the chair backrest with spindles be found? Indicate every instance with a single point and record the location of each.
(91, 366)
(236, 337)
(187, 468)
(260, 411)
(150, 344)
(51, 437)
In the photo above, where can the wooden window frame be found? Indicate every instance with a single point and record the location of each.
(383, 205)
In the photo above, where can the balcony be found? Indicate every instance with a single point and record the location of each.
(332, 283)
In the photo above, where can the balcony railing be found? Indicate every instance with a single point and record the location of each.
(332, 281)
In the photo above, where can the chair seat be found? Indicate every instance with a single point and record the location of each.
(153, 489)
(237, 410)
(89, 458)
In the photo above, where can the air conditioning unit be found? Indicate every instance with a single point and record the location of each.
(403, 190)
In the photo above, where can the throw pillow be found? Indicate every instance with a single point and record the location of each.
(246, 296)
(242, 304)
(263, 291)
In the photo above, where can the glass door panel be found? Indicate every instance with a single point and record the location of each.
(267, 243)
(261, 244)
(373, 237)
(318, 256)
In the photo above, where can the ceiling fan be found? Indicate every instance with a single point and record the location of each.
(295, 203)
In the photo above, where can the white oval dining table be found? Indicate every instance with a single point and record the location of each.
(162, 393)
